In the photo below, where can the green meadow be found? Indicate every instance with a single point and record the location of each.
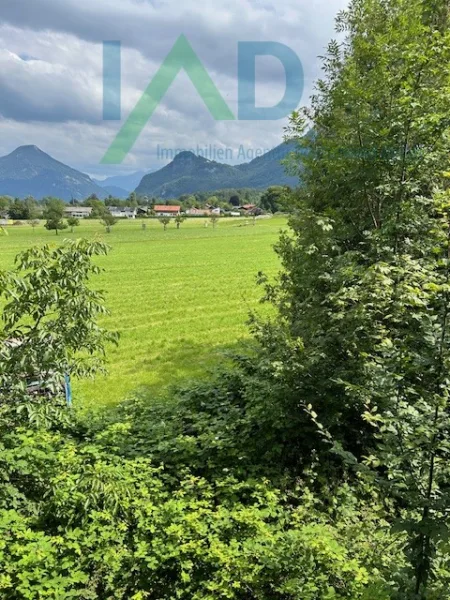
(179, 298)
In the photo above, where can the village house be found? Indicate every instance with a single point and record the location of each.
(165, 210)
(251, 210)
(247, 208)
(78, 212)
(198, 212)
(142, 211)
(124, 212)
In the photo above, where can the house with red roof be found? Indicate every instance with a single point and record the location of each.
(165, 210)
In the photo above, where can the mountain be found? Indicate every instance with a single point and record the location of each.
(125, 182)
(116, 192)
(267, 170)
(188, 173)
(28, 171)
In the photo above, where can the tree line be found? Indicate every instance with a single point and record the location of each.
(274, 199)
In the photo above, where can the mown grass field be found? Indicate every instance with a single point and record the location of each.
(177, 297)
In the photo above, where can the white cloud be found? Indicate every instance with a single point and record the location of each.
(51, 71)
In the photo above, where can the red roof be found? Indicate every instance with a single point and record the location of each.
(166, 208)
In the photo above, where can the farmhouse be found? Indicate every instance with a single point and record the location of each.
(164, 210)
(198, 212)
(123, 212)
(79, 212)
(251, 210)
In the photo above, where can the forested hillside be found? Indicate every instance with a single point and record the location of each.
(189, 173)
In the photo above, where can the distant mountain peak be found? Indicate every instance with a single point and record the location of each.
(30, 149)
(28, 171)
(185, 155)
(189, 173)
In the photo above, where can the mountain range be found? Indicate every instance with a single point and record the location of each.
(28, 171)
(189, 173)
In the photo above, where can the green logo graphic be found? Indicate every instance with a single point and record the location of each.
(182, 56)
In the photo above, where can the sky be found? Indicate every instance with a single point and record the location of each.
(51, 74)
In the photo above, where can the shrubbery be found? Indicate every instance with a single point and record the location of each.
(80, 521)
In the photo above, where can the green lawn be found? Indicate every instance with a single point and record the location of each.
(177, 297)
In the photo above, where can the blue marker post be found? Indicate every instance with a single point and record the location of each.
(68, 389)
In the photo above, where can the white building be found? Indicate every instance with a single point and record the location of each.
(198, 212)
(79, 212)
(123, 213)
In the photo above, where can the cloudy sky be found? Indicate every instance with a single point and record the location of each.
(51, 64)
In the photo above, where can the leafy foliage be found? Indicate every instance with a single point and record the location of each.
(54, 213)
(85, 512)
(361, 336)
(316, 467)
(108, 221)
(49, 319)
(73, 222)
(276, 198)
(82, 522)
(179, 220)
(165, 221)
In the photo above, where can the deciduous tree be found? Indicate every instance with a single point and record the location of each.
(54, 215)
(49, 323)
(73, 222)
(108, 221)
(165, 221)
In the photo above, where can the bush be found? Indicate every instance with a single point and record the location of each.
(242, 421)
(79, 521)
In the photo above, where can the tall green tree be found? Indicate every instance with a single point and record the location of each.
(54, 215)
(361, 337)
(17, 210)
(4, 204)
(213, 201)
(132, 200)
(274, 199)
(98, 207)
